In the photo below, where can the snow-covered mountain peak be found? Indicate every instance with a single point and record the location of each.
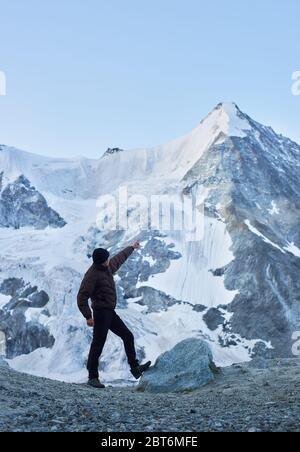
(179, 156)
(145, 169)
(228, 119)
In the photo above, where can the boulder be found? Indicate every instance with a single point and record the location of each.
(187, 367)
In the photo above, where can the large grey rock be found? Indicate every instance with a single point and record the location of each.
(187, 367)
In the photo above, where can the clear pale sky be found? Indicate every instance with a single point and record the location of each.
(90, 74)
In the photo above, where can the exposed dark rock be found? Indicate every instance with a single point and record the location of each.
(218, 271)
(213, 318)
(11, 286)
(261, 351)
(23, 335)
(22, 205)
(154, 299)
(112, 151)
(199, 308)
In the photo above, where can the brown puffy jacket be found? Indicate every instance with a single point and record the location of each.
(98, 285)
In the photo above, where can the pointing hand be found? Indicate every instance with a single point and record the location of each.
(136, 245)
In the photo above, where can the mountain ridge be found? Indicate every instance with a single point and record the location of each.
(224, 116)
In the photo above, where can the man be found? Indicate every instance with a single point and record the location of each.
(98, 285)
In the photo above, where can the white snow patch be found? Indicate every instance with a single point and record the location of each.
(180, 322)
(274, 210)
(259, 234)
(150, 260)
(230, 121)
(35, 315)
(42, 363)
(292, 248)
(4, 299)
(189, 278)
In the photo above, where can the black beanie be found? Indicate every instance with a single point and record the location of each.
(100, 256)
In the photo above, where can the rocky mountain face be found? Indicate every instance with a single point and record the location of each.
(236, 287)
(253, 189)
(22, 205)
(17, 320)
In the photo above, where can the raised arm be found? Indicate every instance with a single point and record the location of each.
(119, 259)
(85, 292)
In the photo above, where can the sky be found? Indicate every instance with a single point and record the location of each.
(85, 75)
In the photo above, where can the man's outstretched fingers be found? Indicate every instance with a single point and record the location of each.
(136, 245)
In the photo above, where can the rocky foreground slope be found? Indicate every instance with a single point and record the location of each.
(258, 396)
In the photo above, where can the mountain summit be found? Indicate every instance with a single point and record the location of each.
(228, 119)
(86, 178)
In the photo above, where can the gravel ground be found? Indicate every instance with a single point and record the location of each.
(260, 396)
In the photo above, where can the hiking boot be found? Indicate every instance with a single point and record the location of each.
(95, 383)
(138, 370)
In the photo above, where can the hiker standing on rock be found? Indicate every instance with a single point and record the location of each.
(98, 285)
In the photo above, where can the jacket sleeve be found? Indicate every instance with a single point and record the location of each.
(85, 292)
(119, 259)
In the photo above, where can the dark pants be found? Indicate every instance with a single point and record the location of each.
(106, 320)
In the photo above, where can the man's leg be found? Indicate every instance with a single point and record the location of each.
(119, 328)
(102, 319)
